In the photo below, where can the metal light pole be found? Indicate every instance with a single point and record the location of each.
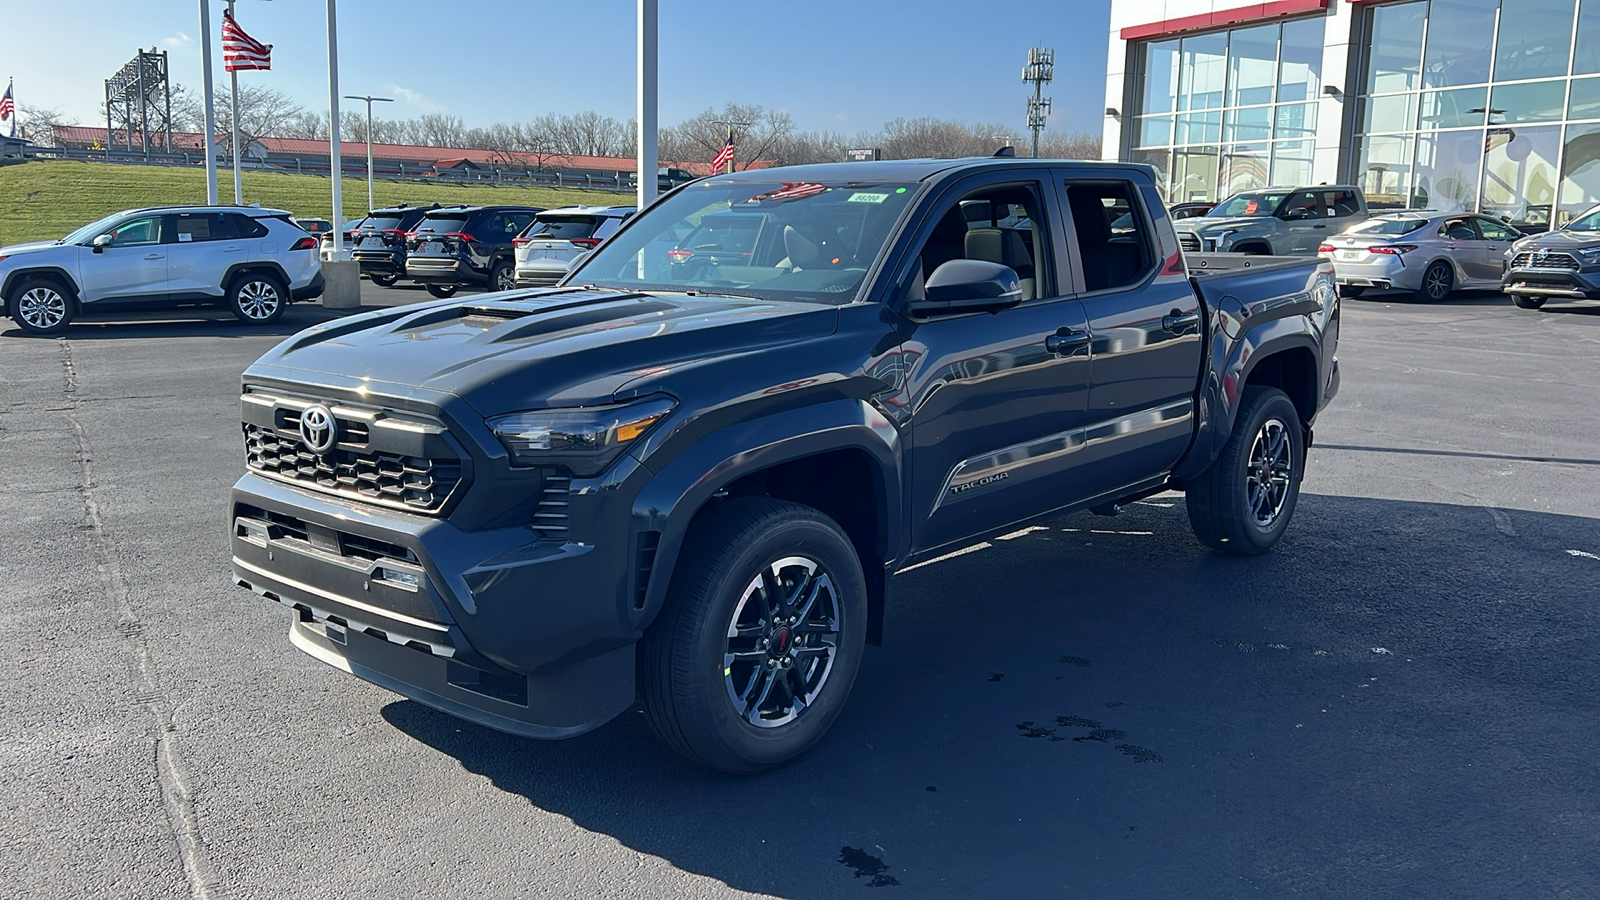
(211, 114)
(233, 94)
(334, 160)
(369, 101)
(647, 187)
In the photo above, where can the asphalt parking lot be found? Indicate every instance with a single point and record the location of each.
(1399, 702)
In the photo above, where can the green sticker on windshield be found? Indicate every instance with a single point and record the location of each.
(860, 197)
(899, 190)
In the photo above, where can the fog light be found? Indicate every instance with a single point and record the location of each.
(405, 581)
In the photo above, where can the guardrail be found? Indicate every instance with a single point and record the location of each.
(385, 170)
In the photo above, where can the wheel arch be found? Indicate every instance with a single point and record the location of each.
(238, 269)
(1282, 353)
(17, 277)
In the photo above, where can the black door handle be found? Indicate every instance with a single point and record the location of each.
(1180, 322)
(1066, 341)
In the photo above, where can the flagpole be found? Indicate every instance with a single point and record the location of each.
(336, 164)
(233, 94)
(211, 104)
(11, 92)
(647, 186)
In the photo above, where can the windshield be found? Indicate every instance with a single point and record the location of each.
(84, 234)
(562, 228)
(443, 224)
(1388, 226)
(770, 240)
(1589, 222)
(1254, 203)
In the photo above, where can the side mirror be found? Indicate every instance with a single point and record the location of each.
(100, 243)
(1294, 214)
(968, 285)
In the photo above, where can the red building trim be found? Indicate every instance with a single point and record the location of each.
(1237, 16)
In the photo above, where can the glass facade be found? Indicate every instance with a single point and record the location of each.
(1231, 110)
(1482, 105)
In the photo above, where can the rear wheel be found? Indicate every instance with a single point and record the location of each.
(42, 306)
(1437, 281)
(1243, 502)
(503, 278)
(384, 280)
(1527, 301)
(257, 298)
(763, 631)
(443, 290)
(1351, 290)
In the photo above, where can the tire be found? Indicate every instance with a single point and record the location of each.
(1225, 511)
(258, 298)
(503, 278)
(1527, 301)
(1351, 290)
(384, 280)
(443, 291)
(696, 680)
(42, 306)
(1438, 280)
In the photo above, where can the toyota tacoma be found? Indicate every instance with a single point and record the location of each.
(684, 476)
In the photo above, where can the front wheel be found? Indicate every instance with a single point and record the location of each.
(763, 631)
(1527, 301)
(257, 299)
(1243, 502)
(443, 291)
(42, 306)
(384, 280)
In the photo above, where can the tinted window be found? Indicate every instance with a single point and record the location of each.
(444, 224)
(206, 227)
(608, 227)
(1249, 204)
(563, 227)
(1388, 226)
(246, 227)
(516, 221)
(1114, 245)
(1459, 230)
(1497, 231)
(381, 222)
(137, 232)
(1341, 203)
(1303, 205)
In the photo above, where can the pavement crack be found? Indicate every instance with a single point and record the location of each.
(172, 776)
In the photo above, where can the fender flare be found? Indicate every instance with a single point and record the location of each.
(12, 278)
(1223, 384)
(681, 487)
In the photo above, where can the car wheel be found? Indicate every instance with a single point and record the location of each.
(1527, 301)
(503, 278)
(443, 290)
(1351, 290)
(763, 631)
(384, 280)
(1437, 281)
(42, 306)
(258, 298)
(1243, 502)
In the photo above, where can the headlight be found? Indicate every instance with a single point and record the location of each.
(1590, 255)
(585, 440)
(1221, 237)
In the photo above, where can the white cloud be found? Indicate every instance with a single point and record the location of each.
(415, 98)
(176, 40)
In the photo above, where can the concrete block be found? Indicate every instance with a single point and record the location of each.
(341, 285)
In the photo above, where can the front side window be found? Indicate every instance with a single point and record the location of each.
(137, 232)
(1458, 230)
(1250, 203)
(997, 225)
(807, 241)
(1496, 231)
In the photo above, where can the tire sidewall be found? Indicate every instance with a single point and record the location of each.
(1272, 404)
(443, 291)
(761, 748)
(239, 284)
(384, 280)
(14, 305)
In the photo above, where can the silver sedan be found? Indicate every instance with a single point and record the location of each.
(1425, 251)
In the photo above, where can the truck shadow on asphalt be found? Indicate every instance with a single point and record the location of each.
(1398, 702)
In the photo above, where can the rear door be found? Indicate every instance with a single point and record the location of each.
(203, 246)
(1305, 222)
(1146, 324)
(133, 267)
(1343, 209)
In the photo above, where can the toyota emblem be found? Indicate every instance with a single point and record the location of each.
(318, 429)
(1543, 254)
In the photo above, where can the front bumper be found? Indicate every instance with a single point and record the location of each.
(506, 627)
(1573, 284)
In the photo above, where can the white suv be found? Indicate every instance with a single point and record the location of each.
(253, 261)
(547, 248)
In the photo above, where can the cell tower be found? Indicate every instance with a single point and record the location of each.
(1039, 71)
(142, 81)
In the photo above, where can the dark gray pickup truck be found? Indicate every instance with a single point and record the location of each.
(684, 477)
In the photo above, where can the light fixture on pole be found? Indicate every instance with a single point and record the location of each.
(369, 101)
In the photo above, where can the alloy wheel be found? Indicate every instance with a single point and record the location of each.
(1436, 283)
(258, 300)
(42, 307)
(1270, 472)
(505, 280)
(782, 641)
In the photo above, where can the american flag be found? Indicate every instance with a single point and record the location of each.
(8, 106)
(792, 190)
(724, 157)
(240, 51)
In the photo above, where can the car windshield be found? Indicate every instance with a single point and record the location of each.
(84, 234)
(1589, 222)
(562, 228)
(1254, 203)
(1388, 226)
(808, 241)
(443, 224)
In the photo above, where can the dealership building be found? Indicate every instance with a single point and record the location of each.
(1484, 105)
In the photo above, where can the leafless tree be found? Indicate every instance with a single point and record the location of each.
(38, 123)
(263, 112)
(758, 133)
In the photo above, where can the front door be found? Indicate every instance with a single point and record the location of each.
(997, 400)
(133, 267)
(1305, 220)
(1497, 239)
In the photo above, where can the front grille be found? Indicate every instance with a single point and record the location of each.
(1189, 241)
(550, 516)
(389, 479)
(1550, 261)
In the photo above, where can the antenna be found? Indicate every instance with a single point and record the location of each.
(1039, 71)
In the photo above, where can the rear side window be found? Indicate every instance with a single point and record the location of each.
(516, 221)
(1341, 203)
(1114, 243)
(247, 227)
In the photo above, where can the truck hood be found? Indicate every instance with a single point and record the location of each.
(540, 349)
(1560, 240)
(1206, 224)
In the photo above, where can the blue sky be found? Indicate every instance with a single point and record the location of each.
(844, 65)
